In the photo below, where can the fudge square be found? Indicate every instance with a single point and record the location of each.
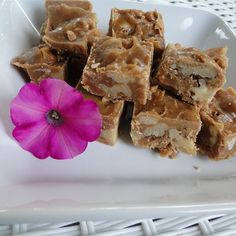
(86, 5)
(143, 25)
(217, 137)
(70, 29)
(111, 112)
(193, 75)
(119, 69)
(166, 124)
(41, 62)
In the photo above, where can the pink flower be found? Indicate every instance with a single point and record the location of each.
(53, 119)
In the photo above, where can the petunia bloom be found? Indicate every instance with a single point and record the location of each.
(53, 119)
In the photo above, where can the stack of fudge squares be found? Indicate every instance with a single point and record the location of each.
(178, 100)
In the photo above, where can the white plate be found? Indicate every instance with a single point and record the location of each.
(107, 182)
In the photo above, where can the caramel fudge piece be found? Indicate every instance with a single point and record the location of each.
(41, 62)
(119, 69)
(166, 124)
(86, 5)
(147, 26)
(217, 137)
(143, 25)
(193, 75)
(111, 112)
(70, 29)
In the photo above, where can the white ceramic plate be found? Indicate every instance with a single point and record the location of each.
(107, 182)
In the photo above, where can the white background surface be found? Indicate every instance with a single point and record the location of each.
(107, 182)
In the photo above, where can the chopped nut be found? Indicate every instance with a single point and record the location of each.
(95, 65)
(71, 35)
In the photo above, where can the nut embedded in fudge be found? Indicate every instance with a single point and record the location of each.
(217, 137)
(70, 29)
(166, 124)
(119, 69)
(41, 62)
(193, 75)
(111, 112)
(143, 25)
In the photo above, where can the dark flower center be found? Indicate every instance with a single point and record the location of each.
(54, 117)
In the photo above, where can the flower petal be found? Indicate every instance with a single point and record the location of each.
(66, 143)
(43, 140)
(87, 122)
(28, 106)
(59, 94)
(82, 120)
(82, 115)
(34, 137)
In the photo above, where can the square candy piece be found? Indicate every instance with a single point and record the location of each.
(217, 137)
(143, 25)
(86, 5)
(111, 112)
(166, 124)
(193, 75)
(119, 69)
(70, 29)
(42, 62)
